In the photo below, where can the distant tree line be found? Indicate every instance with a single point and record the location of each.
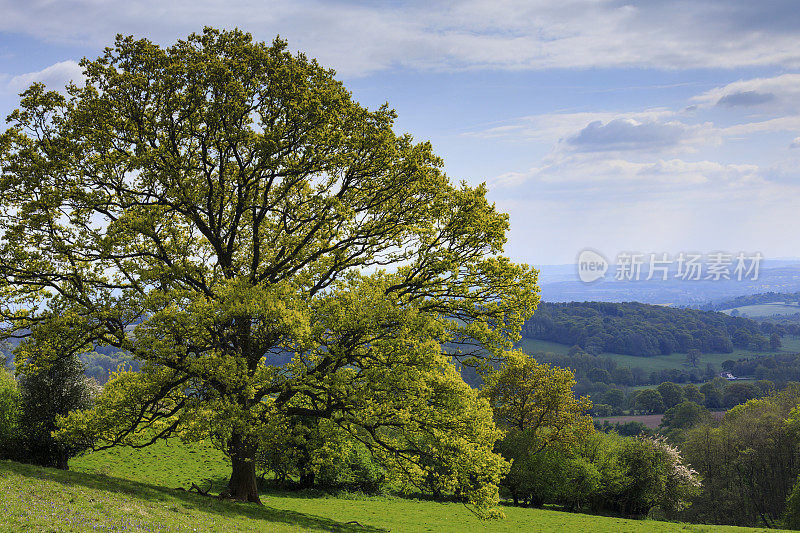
(779, 368)
(595, 371)
(749, 462)
(646, 330)
(714, 395)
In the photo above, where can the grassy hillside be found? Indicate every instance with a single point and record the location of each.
(639, 329)
(167, 463)
(765, 309)
(39, 499)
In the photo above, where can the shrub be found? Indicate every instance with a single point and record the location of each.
(9, 405)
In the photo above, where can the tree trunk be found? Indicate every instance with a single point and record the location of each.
(242, 485)
(62, 461)
(307, 480)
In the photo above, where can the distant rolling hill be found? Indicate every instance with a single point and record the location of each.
(638, 329)
(560, 283)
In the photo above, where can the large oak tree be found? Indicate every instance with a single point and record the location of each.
(267, 248)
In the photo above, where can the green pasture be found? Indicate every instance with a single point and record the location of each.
(42, 499)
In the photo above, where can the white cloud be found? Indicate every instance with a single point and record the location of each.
(787, 123)
(651, 131)
(594, 172)
(627, 134)
(776, 93)
(745, 99)
(359, 38)
(614, 204)
(665, 131)
(54, 77)
(556, 126)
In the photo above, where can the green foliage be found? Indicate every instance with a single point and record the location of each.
(791, 515)
(655, 477)
(749, 463)
(9, 412)
(671, 394)
(351, 468)
(535, 404)
(778, 369)
(525, 394)
(264, 247)
(641, 330)
(712, 395)
(649, 401)
(738, 393)
(615, 398)
(318, 453)
(683, 416)
(692, 394)
(49, 389)
(101, 366)
(632, 428)
(603, 473)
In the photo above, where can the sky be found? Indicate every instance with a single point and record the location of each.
(657, 126)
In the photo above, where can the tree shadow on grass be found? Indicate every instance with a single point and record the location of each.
(208, 504)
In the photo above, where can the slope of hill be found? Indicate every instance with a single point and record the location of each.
(753, 299)
(638, 329)
(41, 499)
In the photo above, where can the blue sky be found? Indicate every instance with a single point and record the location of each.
(652, 126)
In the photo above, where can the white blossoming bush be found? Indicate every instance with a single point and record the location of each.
(679, 482)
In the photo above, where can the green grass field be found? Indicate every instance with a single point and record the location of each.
(40, 499)
(149, 465)
(663, 362)
(768, 309)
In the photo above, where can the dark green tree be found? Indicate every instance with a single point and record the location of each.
(649, 401)
(775, 341)
(9, 413)
(692, 394)
(615, 398)
(49, 389)
(671, 393)
(693, 357)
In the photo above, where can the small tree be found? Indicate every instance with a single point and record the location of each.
(615, 398)
(649, 401)
(9, 406)
(692, 394)
(693, 357)
(49, 389)
(671, 394)
(657, 477)
(535, 403)
(774, 341)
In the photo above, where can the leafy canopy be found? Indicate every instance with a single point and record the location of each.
(266, 248)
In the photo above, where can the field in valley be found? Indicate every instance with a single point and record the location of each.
(768, 309)
(650, 421)
(791, 344)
